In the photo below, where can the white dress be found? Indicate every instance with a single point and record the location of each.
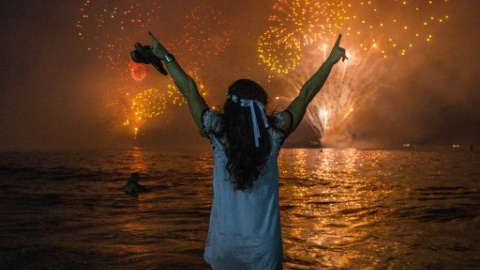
(244, 230)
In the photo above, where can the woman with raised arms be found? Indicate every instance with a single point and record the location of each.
(244, 231)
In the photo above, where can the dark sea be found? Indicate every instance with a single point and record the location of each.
(340, 209)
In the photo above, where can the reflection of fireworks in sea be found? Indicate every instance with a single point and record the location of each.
(109, 28)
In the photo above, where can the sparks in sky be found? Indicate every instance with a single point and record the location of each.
(300, 31)
(137, 71)
(109, 28)
(276, 55)
(204, 36)
(149, 103)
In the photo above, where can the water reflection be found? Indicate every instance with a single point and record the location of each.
(330, 207)
(340, 209)
(138, 163)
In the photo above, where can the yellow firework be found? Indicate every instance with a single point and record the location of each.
(304, 22)
(278, 55)
(391, 27)
(149, 103)
(396, 26)
(176, 97)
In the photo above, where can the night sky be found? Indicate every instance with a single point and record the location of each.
(57, 94)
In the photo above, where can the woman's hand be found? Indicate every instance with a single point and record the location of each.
(337, 52)
(157, 48)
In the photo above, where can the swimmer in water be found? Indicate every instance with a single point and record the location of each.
(132, 186)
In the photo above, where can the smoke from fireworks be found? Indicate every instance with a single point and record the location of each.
(373, 29)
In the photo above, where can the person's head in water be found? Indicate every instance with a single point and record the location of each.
(245, 157)
(135, 177)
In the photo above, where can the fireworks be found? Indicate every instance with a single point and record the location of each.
(137, 71)
(149, 103)
(372, 29)
(396, 26)
(390, 27)
(204, 34)
(304, 22)
(174, 95)
(278, 56)
(109, 28)
(353, 82)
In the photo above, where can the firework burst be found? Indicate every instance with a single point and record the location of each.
(109, 28)
(276, 55)
(149, 103)
(204, 35)
(373, 30)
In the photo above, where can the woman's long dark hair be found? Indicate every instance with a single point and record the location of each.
(245, 161)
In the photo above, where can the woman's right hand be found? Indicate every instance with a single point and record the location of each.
(337, 52)
(157, 48)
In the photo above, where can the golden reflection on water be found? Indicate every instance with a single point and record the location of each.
(300, 161)
(138, 163)
(330, 206)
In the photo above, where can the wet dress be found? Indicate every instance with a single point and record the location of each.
(244, 231)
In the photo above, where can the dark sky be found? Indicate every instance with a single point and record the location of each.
(52, 88)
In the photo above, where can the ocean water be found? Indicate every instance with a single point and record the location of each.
(340, 209)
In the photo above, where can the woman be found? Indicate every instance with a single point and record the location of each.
(244, 230)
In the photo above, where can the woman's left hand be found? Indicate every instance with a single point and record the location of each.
(157, 48)
(337, 52)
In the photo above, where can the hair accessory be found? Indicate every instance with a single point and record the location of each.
(251, 103)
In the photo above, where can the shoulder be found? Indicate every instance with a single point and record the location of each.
(283, 121)
(212, 121)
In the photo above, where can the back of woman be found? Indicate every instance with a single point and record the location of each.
(244, 230)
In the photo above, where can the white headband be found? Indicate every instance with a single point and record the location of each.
(250, 103)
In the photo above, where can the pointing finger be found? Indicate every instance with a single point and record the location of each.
(152, 36)
(337, 43)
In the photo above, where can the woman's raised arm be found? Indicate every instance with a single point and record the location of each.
(311, 88)
(183, 81)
